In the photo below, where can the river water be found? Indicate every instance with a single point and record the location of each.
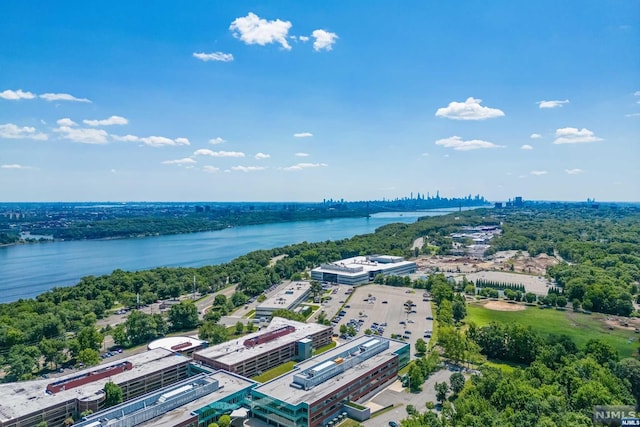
(29, 270)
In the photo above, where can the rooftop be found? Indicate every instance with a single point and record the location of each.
(282, 388)
(285, 297)
(175, 344)
(358, 265)
(21, 398)
(234, 351)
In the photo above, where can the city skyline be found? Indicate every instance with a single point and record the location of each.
(292, 102)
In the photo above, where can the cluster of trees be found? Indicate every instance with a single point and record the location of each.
(482, 283)
(601, 249)
(558, 385)
(123, 223)
(7, 237)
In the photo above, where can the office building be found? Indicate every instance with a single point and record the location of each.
(283, 340)
(288, 298)
(361, 270)
(25, 404)
(198, 400)
(319, 389)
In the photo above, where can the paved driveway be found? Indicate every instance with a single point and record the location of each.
(402, 398)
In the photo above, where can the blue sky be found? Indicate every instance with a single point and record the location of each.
(300, 101)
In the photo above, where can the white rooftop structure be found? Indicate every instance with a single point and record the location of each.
(26, 397)
(362, 269)
(324, 374)
(176, 344)
(235, 351)
(287, 298)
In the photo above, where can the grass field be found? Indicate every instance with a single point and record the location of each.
(580, 327)
(275, 372)
(327, 347)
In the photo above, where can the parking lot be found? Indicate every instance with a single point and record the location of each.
(385, 305)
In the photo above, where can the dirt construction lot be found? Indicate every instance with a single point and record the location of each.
(385, 304)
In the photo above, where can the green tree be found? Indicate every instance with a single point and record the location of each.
(316, 289)
(183, 316)
(113, 394)
(89, 357)
(224, 421)
(457, 382)
(459, 309)
(89, 337)
(441, 391)
(421, 346)
(343, 329)
(416, 379)
(213, 333)
(52, 349)
(239, 328)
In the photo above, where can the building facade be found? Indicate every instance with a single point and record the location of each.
(282, 341)
(361, 270)
(319, 388)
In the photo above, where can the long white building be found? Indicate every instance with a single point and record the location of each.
(362, 269)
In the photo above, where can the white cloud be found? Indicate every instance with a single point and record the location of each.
(113, 120)
(538, 173)
(207, 152)
(16, 94)
(301, 154)
(303, 135)
(125, 138)
(252, 29)
(575, 136)
(210, 169)
(62, 97)
(83, 135)
(11, 131)
(575, 171)
(303, 39)
(632, 115)
(66, 122)
(458, 144)
(301, 166)
(636, 93)
(213, 56)
(425, 154)
(262, 156)
(15, 166)
(161, 141)
(248, 168)
(185, 161)
(535, 136)
(468, 110)
(552, 104)
(324, 40)
(217, 140)
(526, 147)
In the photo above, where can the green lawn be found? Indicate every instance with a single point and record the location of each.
(329, 346)
(580, 327)
(275, 372)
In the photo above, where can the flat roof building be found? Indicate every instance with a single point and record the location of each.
(362, 269)
(318, 389)
(25, 404)
(182, 345)
(288, 299)
(198, 400)
(283, 340)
